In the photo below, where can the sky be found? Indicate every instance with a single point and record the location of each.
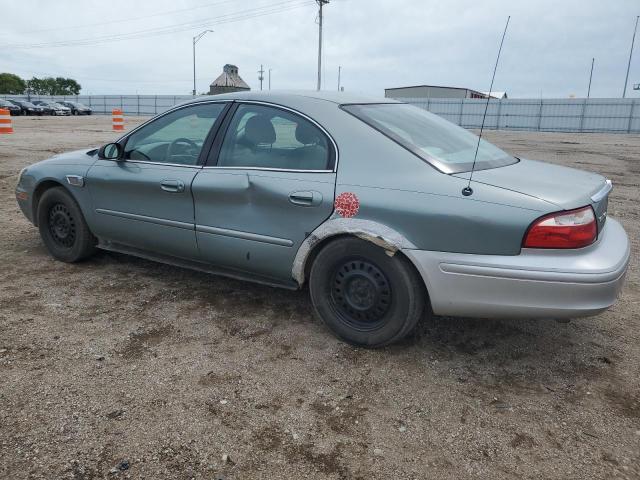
(145, 46)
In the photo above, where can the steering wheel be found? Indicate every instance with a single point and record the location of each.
(182, 140)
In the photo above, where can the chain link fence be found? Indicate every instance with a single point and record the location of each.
(605, 115)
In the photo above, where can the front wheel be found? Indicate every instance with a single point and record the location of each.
(63, 228)
(363, 295)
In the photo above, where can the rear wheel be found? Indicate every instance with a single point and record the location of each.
(363, 295)
(63, 228)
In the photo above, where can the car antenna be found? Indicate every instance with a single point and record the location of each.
(466, 191)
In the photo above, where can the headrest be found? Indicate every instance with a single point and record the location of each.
(259, 129)
(307, 134)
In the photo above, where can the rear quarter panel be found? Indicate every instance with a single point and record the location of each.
(401, 191)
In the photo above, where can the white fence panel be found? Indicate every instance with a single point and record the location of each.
(606, 115)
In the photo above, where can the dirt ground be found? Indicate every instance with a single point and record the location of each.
(123, 368)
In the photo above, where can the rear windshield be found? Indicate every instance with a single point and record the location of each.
(446, 146)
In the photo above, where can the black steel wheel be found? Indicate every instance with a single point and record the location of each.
(361, 294)
(62, 226)
(365, 296)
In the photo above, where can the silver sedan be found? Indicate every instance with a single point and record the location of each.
(365, 201)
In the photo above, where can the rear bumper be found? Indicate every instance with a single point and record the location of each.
(535, 284)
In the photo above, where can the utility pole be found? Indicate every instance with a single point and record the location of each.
(195, 40)
(261, 75)
(633, 40)
(320, 3)
(269, 79)
(339, 71)
(590, 77)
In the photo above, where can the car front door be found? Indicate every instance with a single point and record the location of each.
(268, 183)
(144, 200)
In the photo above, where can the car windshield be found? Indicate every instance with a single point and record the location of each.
(448, 147)
(5, 103)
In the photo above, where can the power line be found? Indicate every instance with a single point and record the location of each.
(222, 19)
(133, 19)
(227, 18)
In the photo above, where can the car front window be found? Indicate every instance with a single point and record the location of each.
(176, 137)
(448, 147)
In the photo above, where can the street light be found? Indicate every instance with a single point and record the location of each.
(195, 40)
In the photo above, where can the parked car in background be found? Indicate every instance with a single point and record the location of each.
(28, 108)
(53, 108)
(77, 108)
(366, 201)
(13, 109)
(46, 109)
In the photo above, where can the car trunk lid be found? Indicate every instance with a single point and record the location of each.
(565, 187)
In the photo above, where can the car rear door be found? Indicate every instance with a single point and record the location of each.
(269, 181)
(144, 200)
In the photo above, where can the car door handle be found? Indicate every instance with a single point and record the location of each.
(172, 186)
(306, 198)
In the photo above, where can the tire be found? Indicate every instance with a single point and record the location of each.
(63, 228)
(363, 295)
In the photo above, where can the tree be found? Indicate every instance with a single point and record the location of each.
(67, 86)
(11, 84)
(53, 86)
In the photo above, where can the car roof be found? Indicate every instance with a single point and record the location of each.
(294, 97)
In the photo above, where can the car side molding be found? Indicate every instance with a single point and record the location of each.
(368, 230)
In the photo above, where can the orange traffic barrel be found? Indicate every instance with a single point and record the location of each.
(5, 121)
(118, 119)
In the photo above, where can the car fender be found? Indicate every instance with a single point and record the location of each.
(368, 230)
(68, 174)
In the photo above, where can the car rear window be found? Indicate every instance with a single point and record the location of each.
(447, 147)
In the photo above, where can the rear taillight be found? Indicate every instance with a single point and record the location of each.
(569, 229)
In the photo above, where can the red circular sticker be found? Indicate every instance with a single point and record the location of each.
(347, 205)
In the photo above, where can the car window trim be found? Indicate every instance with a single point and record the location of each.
(214, 156)
(214, 149)
(205, 145)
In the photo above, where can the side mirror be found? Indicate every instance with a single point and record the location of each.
(110, 151)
